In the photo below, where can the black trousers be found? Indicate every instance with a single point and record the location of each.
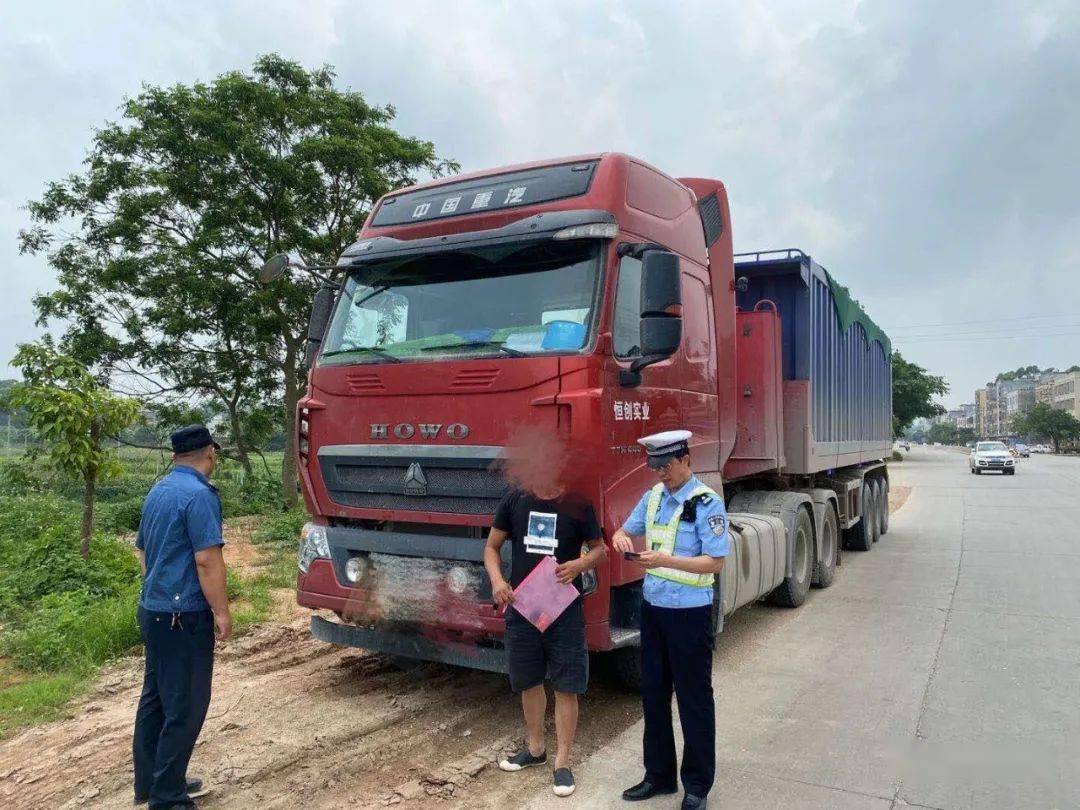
(172, 708)
(676, 655)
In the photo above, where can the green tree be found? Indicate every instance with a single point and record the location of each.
(1045, 421)
(178, 206)
(75, 416)
(913, 393)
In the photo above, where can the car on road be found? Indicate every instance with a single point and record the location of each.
(905, 446)
(991, 456)
(1022, 450)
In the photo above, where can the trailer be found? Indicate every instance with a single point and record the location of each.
(587, 301)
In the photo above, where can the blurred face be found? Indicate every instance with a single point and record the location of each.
(675, 473)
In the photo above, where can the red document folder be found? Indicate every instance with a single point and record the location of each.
(541, 598)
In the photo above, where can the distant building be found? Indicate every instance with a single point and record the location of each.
(1064, 392)
(981, 402)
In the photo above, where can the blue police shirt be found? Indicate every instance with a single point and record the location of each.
(181, 515)
(707, 535)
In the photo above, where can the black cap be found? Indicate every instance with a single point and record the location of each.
(191, 438)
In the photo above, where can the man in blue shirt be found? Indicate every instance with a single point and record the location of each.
(685, 527)
(182, 607)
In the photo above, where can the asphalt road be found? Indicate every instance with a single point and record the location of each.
(941, 669)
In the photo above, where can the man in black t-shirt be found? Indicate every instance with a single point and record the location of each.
(558, 525)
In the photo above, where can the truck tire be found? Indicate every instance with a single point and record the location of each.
(860, 537)
(825, 570)
(627, 666)
(977, 471)
(884, 507)
(792, 591)
(875, 514)
(878, 489)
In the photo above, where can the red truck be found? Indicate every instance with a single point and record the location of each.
(591, 300)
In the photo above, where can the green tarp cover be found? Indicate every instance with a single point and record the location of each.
(848, 312)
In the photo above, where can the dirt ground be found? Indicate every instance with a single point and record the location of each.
(295, 722)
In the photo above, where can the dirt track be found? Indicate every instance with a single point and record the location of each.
(295, 722)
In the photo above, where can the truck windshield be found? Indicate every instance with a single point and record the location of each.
(536, 300)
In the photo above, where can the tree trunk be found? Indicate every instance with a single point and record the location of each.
(89, 492)
(292, 395)
(238, 436)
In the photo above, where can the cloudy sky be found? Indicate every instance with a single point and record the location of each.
(927, 153)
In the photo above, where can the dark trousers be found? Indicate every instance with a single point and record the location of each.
(175, 696)
(676, 655)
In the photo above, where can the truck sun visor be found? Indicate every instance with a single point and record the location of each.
(513, 190)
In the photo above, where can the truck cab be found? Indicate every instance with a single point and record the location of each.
(495, 311)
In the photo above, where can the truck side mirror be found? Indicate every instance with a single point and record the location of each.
(321, 307)
(661, 312)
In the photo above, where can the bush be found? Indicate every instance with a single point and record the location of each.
(897, 455)
(281, 530)
(117, 517)
(74, 629)
(39, 555)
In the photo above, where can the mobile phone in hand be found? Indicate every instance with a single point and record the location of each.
(631, 555)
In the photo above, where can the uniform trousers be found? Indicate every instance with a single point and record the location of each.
(676, 655)
(172, 708)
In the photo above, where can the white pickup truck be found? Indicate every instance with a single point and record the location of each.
(991, 456)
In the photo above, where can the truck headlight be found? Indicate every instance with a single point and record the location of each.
(313, 544)
(457, 580)
(354, 568)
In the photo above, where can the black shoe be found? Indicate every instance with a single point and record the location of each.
(691, 802)
(646, 790)
(564, 782)
(195, 789)
(521, 760)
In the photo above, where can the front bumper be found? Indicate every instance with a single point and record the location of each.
(420, 596)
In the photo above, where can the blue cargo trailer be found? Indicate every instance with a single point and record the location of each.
(837, 370)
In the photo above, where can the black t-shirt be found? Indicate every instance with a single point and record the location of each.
(539, 528)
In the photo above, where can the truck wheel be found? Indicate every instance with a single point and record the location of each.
(627, 661)
(884, 507)
(879, 498)
(792, 591)
(875, 514)
(825, 570)
(860, 537)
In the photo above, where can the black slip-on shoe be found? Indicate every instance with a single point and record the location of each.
(521, 760)
(564, 782)
(646, 790)
(195, 789)
(691, 802)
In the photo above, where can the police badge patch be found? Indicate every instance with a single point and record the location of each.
(718, 524)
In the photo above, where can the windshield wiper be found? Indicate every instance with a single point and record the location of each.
(375, 350)
(476, 344)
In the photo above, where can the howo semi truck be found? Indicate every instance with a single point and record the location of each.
(591, 300)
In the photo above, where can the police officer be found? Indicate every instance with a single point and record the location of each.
(182, 607)
(686, 539)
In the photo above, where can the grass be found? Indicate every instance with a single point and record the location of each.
(28, 701)
(62, 617)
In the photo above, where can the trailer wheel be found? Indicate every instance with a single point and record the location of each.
(792, 591)
(860, 537)
(879, 497)
(875, 512)
(627, 662)
(884, 506)
(825, 570)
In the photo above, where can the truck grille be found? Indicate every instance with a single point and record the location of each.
(420, 478)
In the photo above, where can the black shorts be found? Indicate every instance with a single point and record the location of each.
(559, 653)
